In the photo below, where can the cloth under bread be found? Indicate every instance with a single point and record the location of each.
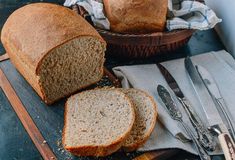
(190, 15)
(220, 64)
(95, 8)
(182, 14)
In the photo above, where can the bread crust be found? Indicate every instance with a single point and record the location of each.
(102, 150)
(29, 35)
(135, 146)
(136, 16)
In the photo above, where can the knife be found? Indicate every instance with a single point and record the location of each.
(175, 114)
(215, 93)
(204, 136)
(209, 108)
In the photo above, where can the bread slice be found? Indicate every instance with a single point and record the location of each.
(56, 50)
(97, 122)
(146, 115)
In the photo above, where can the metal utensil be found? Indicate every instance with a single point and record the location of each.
(215, 93)
(175, 114)
(204, 136)
(213, 117)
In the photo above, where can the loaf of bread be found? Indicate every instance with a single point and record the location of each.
(55, 49)
(97, 122)
(145, 120)
(136, 16)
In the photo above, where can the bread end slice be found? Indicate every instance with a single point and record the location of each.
(146, 116)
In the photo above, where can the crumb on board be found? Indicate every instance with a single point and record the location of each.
(58, 142)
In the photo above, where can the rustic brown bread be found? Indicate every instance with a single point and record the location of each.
(55, 49)
(145, 120)
(97, 122)
(136, 16)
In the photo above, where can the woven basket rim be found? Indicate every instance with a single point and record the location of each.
(153, 34)
(151, 39)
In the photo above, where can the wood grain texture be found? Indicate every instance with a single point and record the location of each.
(227, 145)
(25, 118)
(114, 80)
(159, 155)
(4, 57)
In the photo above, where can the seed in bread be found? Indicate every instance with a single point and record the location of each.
(97, 122)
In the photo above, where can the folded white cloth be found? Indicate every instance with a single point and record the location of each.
(190, 15)
(220, 64)
(184, 14)
(95, 9)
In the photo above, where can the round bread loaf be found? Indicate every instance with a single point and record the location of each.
(97, 122)
(55, 49)
(145, 120)
(136, 16)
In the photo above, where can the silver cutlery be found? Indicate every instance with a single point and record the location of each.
(204, 136)
(215, 122)
(175, 114)
(215, 93)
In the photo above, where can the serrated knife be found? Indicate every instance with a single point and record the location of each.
(204, 136)
(214, 91)
(210, 110)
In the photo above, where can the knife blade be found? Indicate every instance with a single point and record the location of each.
(214, 91)
(204, 136)
(175, 114)
(209, 108)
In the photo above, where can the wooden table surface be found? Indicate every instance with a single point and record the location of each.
(15, 143)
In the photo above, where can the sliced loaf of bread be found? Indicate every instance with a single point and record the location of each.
(55, 49)
(146, 115)
(97, 122)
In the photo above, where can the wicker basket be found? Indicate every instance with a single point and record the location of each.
(140, 45)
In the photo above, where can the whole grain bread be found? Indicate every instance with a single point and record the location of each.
(136, 16)
(55, 49)
(97, 122)
(146, 116)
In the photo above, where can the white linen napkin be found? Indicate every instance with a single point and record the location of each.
(220, 64)
(184, 14)
(190, 15)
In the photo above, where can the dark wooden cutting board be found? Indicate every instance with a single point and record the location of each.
(49, 119)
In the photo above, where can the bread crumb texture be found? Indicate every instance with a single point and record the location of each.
(100, 119)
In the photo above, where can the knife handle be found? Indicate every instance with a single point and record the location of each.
(228, 117)
(203, 133)
(227, 146)
(200, 150)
